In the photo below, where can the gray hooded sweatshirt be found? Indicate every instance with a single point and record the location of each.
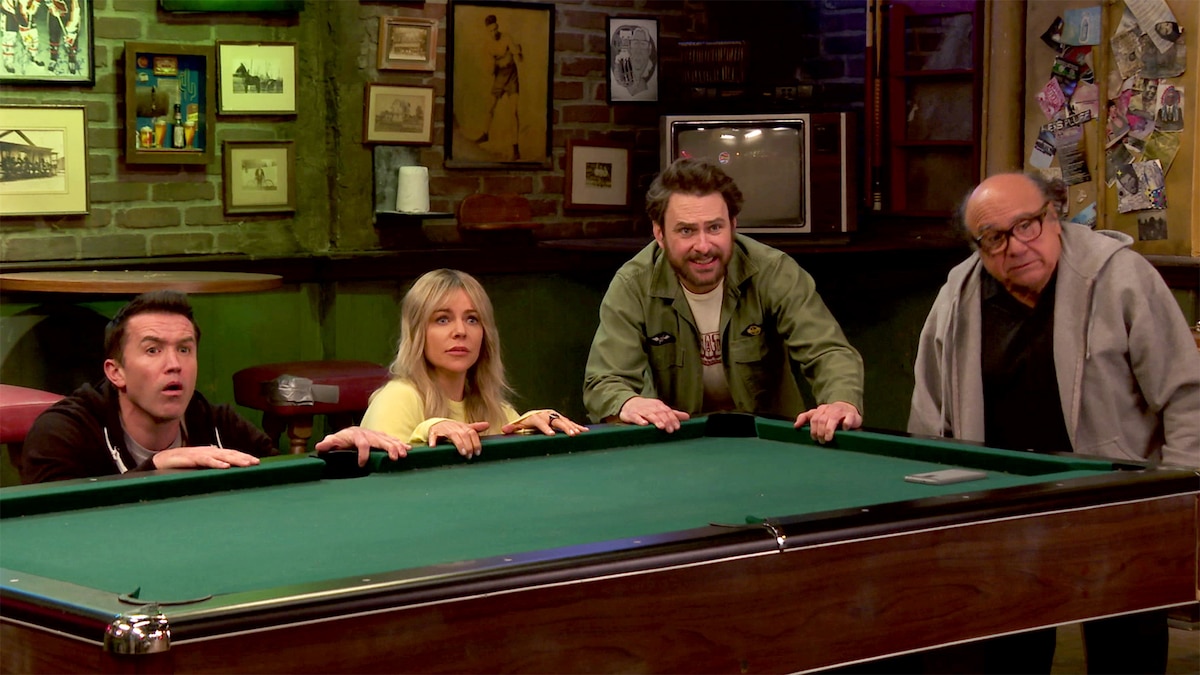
(1127, 366)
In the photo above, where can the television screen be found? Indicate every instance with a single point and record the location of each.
(796, 170)
(764, 160)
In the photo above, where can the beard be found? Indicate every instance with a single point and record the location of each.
(694, 279)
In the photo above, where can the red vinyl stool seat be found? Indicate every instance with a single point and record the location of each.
(19, 407)
(355, 382)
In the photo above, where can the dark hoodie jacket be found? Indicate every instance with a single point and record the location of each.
(81, 436)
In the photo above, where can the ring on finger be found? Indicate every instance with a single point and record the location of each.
(550, 421)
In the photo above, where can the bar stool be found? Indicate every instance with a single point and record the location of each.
(291, 394)
(19, 407)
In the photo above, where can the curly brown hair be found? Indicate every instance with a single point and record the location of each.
(691, 177)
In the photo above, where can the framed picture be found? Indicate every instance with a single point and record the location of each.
(632, 60)
(257, 78)
(232, 5)
(500, 64)
(43, 160)
(48, 46)
(260, 176)
(168, 103)
(407, 44)
(598, 176)
(393, 114)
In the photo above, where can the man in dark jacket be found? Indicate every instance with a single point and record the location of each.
(147, 415)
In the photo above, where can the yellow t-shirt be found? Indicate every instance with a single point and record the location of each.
(397, 409)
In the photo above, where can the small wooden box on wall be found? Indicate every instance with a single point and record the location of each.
(160, 80)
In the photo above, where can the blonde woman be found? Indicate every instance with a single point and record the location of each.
(447, 378)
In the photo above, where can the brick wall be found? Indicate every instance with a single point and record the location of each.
(173, 210)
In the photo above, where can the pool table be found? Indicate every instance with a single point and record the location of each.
(735, 544)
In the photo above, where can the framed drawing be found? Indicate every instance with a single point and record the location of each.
(168, 103)
(598, 176)
(500, 64)
(43, 160)
(51, 46)
(632, 60)
(232, 5)
(394, 114)
(260, 176)
(257, 78)
(407, 44)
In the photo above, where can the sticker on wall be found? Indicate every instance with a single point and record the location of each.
(1086, 216)
(1150, 14)
(1072, 156)
(1081, 26)
(1117, 160)
(1051, 99)
(1086, 100)
(1161, 148)
(1152, 225)
(1043, 149)
(1170, 63)
(1169, 116)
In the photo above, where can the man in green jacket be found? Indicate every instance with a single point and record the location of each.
(703, 320)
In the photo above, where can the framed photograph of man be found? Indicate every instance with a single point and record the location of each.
(47, 42)
(407, 44)
(500, 65)
(260, 176)
(632, 60)
(257, 78)
(598, 176)
(43, 160)
(398, 115)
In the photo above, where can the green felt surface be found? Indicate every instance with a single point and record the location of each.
(319, 530)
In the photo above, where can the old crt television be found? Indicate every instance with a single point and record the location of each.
(796, 170)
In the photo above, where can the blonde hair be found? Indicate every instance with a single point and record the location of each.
(487, 391)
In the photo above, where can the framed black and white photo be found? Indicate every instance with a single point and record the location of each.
(499, 69)
(395, 114)
(632, 60)
(407, 44)
(43, 160)
(257, 78)
(50, 45)
(598, 176)
(260, 176)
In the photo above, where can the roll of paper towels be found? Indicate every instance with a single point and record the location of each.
(412, 190)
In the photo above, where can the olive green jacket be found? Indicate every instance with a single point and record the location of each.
(774, 330)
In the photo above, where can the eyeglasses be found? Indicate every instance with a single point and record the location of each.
(1024, 231)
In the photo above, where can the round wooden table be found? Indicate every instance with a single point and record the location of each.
(132, 282)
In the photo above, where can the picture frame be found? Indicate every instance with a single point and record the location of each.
(257, 78)
(398, 114)
(43, 160)
(197, 6)
(632, 51)
(259, 176)
(512, 130)
(407, 44)
(65, 52)
(599, 176)
(158, 77)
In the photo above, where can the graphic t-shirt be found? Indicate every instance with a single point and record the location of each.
(706, 308)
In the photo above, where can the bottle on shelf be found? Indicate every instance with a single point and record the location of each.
(177, 140)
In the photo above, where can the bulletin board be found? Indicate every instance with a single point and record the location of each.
(1112, 109)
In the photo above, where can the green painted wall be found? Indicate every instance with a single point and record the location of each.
(546, 323)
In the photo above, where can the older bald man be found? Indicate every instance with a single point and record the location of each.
(1052, 337)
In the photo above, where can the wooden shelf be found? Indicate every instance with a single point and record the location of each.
(403, 217)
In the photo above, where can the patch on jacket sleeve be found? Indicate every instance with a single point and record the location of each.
(661, 339)
(753, 330)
